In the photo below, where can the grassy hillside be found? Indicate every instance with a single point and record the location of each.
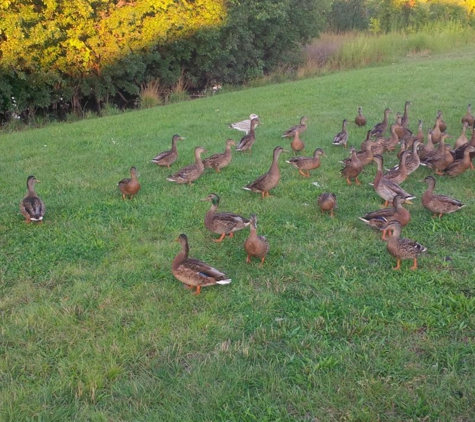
(95, 327)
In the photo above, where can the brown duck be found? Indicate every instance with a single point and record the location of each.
(341, 138)
(255, 245)
(405, 116)
(222, 223)
(194, 273)
(385, 188)
(468, 116)
(130, 185)
(381, 218)
(269, 180)
(306, 163)
(438, 204)
(297, 144)
(167, 158)
(190, 173)
(327, 202)
(441, 158)
(402, 248)
(301, 127)
(399, 173)
(221, 160)
(353, 168)
(379, 128)
(459, 166)
(462, 139)
(31, 206)
(247, 141)
(360, 119)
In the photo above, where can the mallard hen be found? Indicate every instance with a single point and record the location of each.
(381, 218)
(130, 185)
(461, 165)
(468, 116)
(379, 128)
(297, 144)
(327, 202)
(306, 163)
(190, 173)
(269, 180)
(301, 127)
(221, 160)
(255, 245)
(438, 204)
(341, 138)
(247, 141)
(31, 206)
(222, 223)
(360, 119)
(353, 168)
(193, 272)
(402, 248)
(385, 188)
(166, 158)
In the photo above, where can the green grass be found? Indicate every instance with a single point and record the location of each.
(95, 327)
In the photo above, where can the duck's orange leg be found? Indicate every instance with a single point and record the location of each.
(331, 213)
(262, 261)
(220, 239)
(357, 181)
(398, 265)
(414, 267)
(348, 181)
(248, 259)
(231, 235)
(197, 291)
(302, 173)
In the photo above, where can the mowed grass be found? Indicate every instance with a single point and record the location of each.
(95, 327)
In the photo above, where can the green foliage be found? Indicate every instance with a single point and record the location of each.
(101, 51)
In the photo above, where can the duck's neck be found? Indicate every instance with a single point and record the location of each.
(31, 189)
(198, 160)
(274, 168)
(379, 173)
(182, 256)
(174, 145)
(211, 212)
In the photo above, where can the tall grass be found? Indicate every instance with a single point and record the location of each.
(353, 50)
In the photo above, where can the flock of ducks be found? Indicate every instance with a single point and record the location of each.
(434, 153)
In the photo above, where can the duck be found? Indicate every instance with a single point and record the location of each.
(194, 273)
(439, 127)
(391, 142)
(441, 158)
(222, 223)
(405, 116)
(402, 131)
(341, 138)
(167, 158)
(269, 180)
(327, 202)
(129, 186)
(386, 188)
(379, 128)
(301, 127)
(436, 203)
(353, 168)
(360, 119)
(462, 139)
(459, 166)
(221, 160)
(297, 144)
(460, 151)
(307, 163)
(468, 117)
(365, 155)
(244, 125)
(255, 245)
(31, 206)
(418, 136)
(413, 160)
(381, 218)
(247, 141)
(189, 173)
(402, 248)
(425, 149)
(399, 173)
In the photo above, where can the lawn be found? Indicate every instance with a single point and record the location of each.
(95, 327)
